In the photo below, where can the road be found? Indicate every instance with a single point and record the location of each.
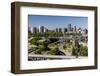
(51, 57)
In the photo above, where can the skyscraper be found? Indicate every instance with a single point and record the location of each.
(79, 30)
(45, 30)
(60, 30)
(41, 29)
(29, 29)
(74, 29)
(65, 29)
(69, 27)
(85, 31)
(35, 30)
(56, 30)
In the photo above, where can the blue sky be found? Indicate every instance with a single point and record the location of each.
(52, 22)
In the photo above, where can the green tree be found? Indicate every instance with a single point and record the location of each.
(75, 49)
(30, 34)
(84, 51)
(54, 51)
(38, 51)
(34, 41)
(52, 40)
(80, 50)
(64, 47)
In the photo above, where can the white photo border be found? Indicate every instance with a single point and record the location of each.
(25, 64)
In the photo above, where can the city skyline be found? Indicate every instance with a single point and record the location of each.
(57, 21)
(70, 29)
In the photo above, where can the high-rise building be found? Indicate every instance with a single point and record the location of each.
(35, 30)
(46, 30)
(85, 31)
(56, 30)
(69, 28)
(29, 29)
(79, 30)
(60, 30)
(65, 30)
(74, 29)
(41, 29)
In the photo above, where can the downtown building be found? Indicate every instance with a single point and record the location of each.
(71, 29)
(41, 29)
(68, 29)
